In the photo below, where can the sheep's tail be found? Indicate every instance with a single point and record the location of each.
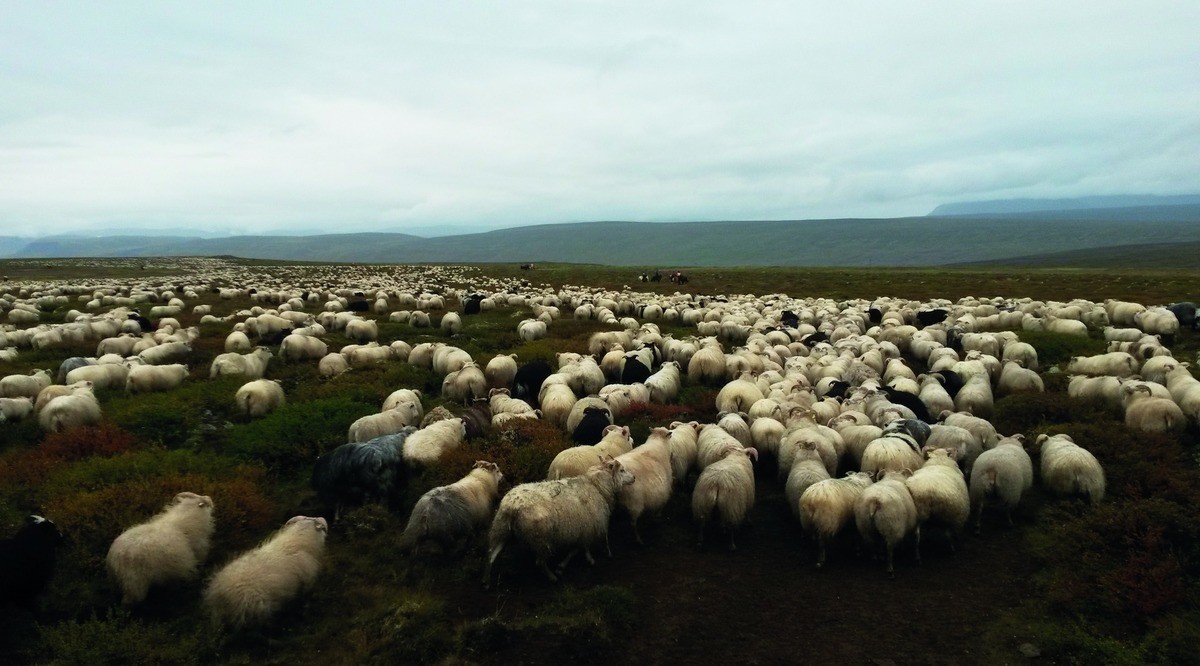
(498, 536)
(246, 403)
(413, 534)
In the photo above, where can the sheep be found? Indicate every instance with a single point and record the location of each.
(361, 356)
(739, 394)
(49, 393)
(253, 587)
(1185, 391)
(975, 397)
(531, 329)
(725, 488)
(465, 384)
(362, 331)
(983, 430)
(451, 323)
(892, 452)
(827, 507)
(885, 512)
(683, 449)
(105, 376)
(332, 364)
(299, 347)
(588, 419)
(24, 386)
(620, 398)
(252, 365)
(856, 435)
(1158, 321)
(1016, 379)
(145, 378)
(1070, 469)
(578, 459)
(766, 435)
(68, 365)
(806, 470)
(361, 472)
(735, 424)
(257, 398)
(452, 515)
(557, 401)
(1117, 364)
(408, 400)
(15, 409)
(965, 445)
(940, 493)
(550, 516)
(386, 422)
(79, 408)
(167, 548)
(165, 354)
(1148, 413)
(650, 465)
(27, 560)
(501, 370)
(707, 365)
(664, 385)
(1104, 389)
(425, 446)
(1002, 474)
(237, 341)
(501, 402)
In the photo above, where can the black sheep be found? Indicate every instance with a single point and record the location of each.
(918, 430)
(477, 418)
(359, 306)
(27, 561)
(591, 428)
(1186, 314)
(874, 315)
(951, 381)
(147, 327)
(789, 319)
(360, 472)
(908, 400)
(931, 317)
(528, 381)
(635, 371)
(471, 305)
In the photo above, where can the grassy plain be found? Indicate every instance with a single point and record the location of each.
(1117, 583)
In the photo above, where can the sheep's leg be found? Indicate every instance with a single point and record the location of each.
(890, 569)
(487, 570)
(607, 547)
(732, 545)
(700, 539)
(587, 554)
(636, 535)
(978, 520)
(541, 562)
(917, 544)
(820, 551)
(1008, 514)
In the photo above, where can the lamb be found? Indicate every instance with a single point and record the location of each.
(359, 472)
(885, 512)
(167, 548)
(253, 587)
(27, 560)
(650, 465)
(725, 488)
(501, 370)
(1069, 469)
(426, 446)
(259, 397)
(550, 516)
(145, 378)
(1003, 475)
(940, 493)
(252, 365)
(578, 459)
(15, 409)
(1145, 412)
(827, 507)
(452, 515)
(24, 386)
(79, 408)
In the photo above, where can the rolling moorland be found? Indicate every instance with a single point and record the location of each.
(1115, 583)
(984, 232)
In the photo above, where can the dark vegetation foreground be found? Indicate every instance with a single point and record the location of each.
(1117, 583)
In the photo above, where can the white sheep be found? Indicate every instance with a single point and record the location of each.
(252, 365)
(451, 323)
(683, 449)
(1001, 475)
(664, 385)
(15, 409)
(387, 422)
(452, 515)
(24, 386)
(1104, 389)
(964, 444)
(405, 399)
(259, 397)
(1016, 379)
(857, 435)
(105, 376)
(827, 507)
(725, 490)
(807, 469)
(576, 460)
(891, 452)
(650, 465)
(237, 341)
(79, 408)
(501, 370)
(739, 395)
(1070, 469)
(975, 397)
(885, 512)
(256, 585)
(557, 401)
(465, 384)
(425, 446)
(1117, 364)
(167, 548)
(146, 378)
(983, 430)
(299, 347)
(362, 331)
(1146, 412)
(550, 516)
(1185, 391)
(165, 354)
(332, 365)
(941, 494)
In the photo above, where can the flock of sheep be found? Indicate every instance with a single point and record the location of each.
(874, 412)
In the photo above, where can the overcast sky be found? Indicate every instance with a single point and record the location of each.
(251, 117)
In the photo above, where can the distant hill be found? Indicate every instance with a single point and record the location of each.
(1150, 255)
(913, 241)
(1091, 204)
